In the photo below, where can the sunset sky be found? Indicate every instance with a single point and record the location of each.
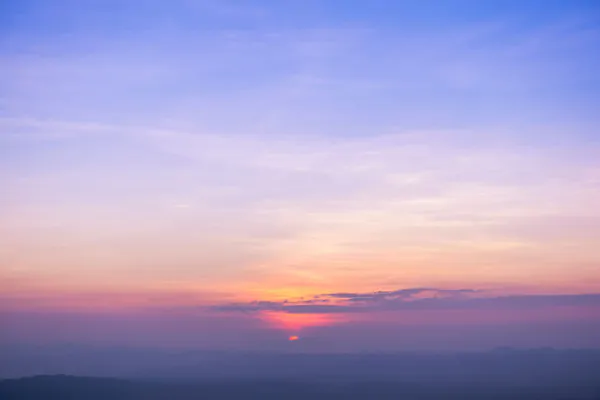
(225, 173)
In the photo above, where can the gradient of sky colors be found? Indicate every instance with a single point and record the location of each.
(215, 165)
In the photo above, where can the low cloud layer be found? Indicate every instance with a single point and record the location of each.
(412, 299)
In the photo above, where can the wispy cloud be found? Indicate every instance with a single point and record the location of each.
(413, 299)
(306, 209)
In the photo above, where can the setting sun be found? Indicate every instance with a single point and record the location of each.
(293, 338)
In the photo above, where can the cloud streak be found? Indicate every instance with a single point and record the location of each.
(412, 299)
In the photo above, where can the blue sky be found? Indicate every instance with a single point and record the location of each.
(342, 67)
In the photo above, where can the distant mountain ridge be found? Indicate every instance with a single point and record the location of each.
(62, 387)
(506, 366)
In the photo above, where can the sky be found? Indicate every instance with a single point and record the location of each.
(371, 175)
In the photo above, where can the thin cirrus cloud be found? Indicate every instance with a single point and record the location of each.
(298, 212)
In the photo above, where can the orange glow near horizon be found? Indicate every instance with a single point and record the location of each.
(296, 322)
(293, 338)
